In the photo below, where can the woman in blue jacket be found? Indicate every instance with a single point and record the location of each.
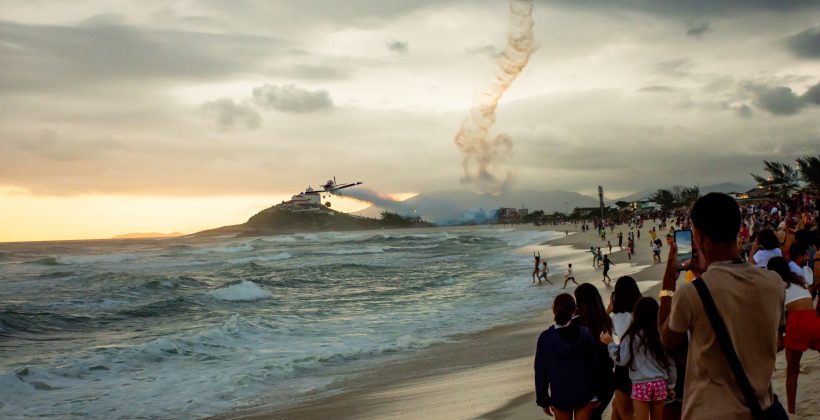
(566, 366)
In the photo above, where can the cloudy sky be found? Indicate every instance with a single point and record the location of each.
(122, 116)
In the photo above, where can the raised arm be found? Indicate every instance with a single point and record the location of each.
(670, 339)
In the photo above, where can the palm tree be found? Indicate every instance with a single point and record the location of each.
(689, 195)
(665, 198)
(810, 171)
(782, 180)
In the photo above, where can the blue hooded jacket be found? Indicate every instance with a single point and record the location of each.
(566, 365)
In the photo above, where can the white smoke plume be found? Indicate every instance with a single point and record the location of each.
(380, 200)
(483, 152)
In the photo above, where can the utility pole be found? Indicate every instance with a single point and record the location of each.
(601, 199)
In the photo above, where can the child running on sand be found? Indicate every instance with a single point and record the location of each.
(569, 277)
(651, 370)
(566, 365)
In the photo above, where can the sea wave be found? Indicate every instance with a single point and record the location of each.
(370, 250)
(244, 291)
(232, 249)
(95, 259)
(261, 258)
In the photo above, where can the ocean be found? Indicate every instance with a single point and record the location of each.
(195, 327)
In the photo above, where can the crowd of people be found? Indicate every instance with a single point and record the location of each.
(694, 352)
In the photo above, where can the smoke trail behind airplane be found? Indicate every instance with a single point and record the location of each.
(484, 153)
(380, 200)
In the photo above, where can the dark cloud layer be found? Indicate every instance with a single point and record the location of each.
(229, 115)
(291, 98)
(693, 8)
(805, 44)
(49, 57)
(697, 30)
(398, 47)
(782, 100)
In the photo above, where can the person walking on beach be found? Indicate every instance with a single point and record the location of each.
(569, 277)
(651, 370)
(656, 253)
(607, 263)
(537, 258)
(711, 389)
(609, 244)
(802, 325)
(566, 365)
(544, 273)
(600, 257)
(621, 240)
(621, 302)
(592, 315)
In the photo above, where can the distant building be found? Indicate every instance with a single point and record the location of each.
(308, 201)
(509, 215)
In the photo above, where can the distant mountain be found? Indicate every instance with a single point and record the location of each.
(137, 235)
(725, 187)
(457, 206)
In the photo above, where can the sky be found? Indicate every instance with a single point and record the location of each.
(160, 116)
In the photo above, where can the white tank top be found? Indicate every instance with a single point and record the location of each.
(794, 292)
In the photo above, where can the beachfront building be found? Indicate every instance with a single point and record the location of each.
(308, 201)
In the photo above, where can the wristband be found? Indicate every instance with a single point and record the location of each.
(666, 293)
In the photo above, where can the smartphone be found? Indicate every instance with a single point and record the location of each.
(683, 238)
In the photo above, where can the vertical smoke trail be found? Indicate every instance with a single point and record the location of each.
(483, 153)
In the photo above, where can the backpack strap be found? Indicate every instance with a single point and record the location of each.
(725, 341)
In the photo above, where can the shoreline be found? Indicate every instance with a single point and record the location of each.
(481, 374)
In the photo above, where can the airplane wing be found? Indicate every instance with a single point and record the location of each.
(352, 184)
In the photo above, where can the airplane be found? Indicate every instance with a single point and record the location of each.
(333, 188)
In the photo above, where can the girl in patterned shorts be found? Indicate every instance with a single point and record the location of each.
(651, 370)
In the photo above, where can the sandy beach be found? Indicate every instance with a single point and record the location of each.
(489, 374)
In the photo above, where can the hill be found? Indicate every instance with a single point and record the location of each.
(275, 221)
(725, 187)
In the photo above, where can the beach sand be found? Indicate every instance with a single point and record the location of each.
(489, 374)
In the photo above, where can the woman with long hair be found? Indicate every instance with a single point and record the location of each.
(565, 365)
(592, 314)
(621, 303)
(802, 325)
(651, 370)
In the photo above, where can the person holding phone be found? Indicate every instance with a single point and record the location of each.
(711, 389)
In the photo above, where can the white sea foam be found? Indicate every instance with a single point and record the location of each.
(246, 290)
(261, 258)
(233, 249)
(95, 259)
(371, 250)
(279, 239)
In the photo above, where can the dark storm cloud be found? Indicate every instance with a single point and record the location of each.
(397, 47)
(698, 29)
(812, 95)
(229, 115)
(291, 98)
(782, 100)
(49, 145)
(692, 8)
(49, 57)
(805, 44)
